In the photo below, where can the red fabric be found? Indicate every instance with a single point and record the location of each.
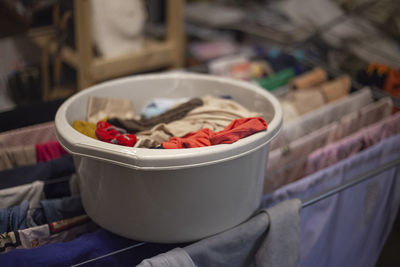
(49, 151)
(196, 139)
(237, 129)
(111, 134)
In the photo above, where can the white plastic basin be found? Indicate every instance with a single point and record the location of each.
(177, 195)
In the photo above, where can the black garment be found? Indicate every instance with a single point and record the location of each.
(43, 171)
(177, 113)
(29, 115)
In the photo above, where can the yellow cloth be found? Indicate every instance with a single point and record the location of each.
(86, 128)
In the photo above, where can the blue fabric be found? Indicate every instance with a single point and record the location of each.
(84, 248)
(44, 171)
(14, 218)
(62, 208)
(52, 210)
(350, 227)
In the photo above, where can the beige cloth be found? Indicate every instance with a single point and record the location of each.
(310, 78)
(117, 26)
(31, 135)
(215, 114)
(102, 107)
(305, 100)
(336, 89)
(17, 156)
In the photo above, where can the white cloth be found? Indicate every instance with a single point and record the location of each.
(13, 196)
(117, 26)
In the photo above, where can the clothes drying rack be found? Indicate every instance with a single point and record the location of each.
(305, 203)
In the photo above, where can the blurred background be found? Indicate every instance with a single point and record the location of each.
(51, 49)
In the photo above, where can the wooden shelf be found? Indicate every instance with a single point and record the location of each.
(154, 55)
(92, 69)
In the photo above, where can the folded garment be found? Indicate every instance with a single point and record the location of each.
(134, 126)
(49, 151)
(237, 129)
(86, 128)
(102, 107)
(215, 114)
(12, 157)
(112, 134)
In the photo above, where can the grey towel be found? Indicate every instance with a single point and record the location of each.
(271, 238)
(281, 246)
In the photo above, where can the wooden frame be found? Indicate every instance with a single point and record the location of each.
(91, 69)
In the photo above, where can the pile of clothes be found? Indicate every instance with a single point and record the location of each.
(169, 123)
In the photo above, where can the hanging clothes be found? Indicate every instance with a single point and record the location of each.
(289, 163)
(30, 135)
(49, 151)
(350, 227)
(327, 114)
(13, 157)
(49, 170)
(353, 144)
